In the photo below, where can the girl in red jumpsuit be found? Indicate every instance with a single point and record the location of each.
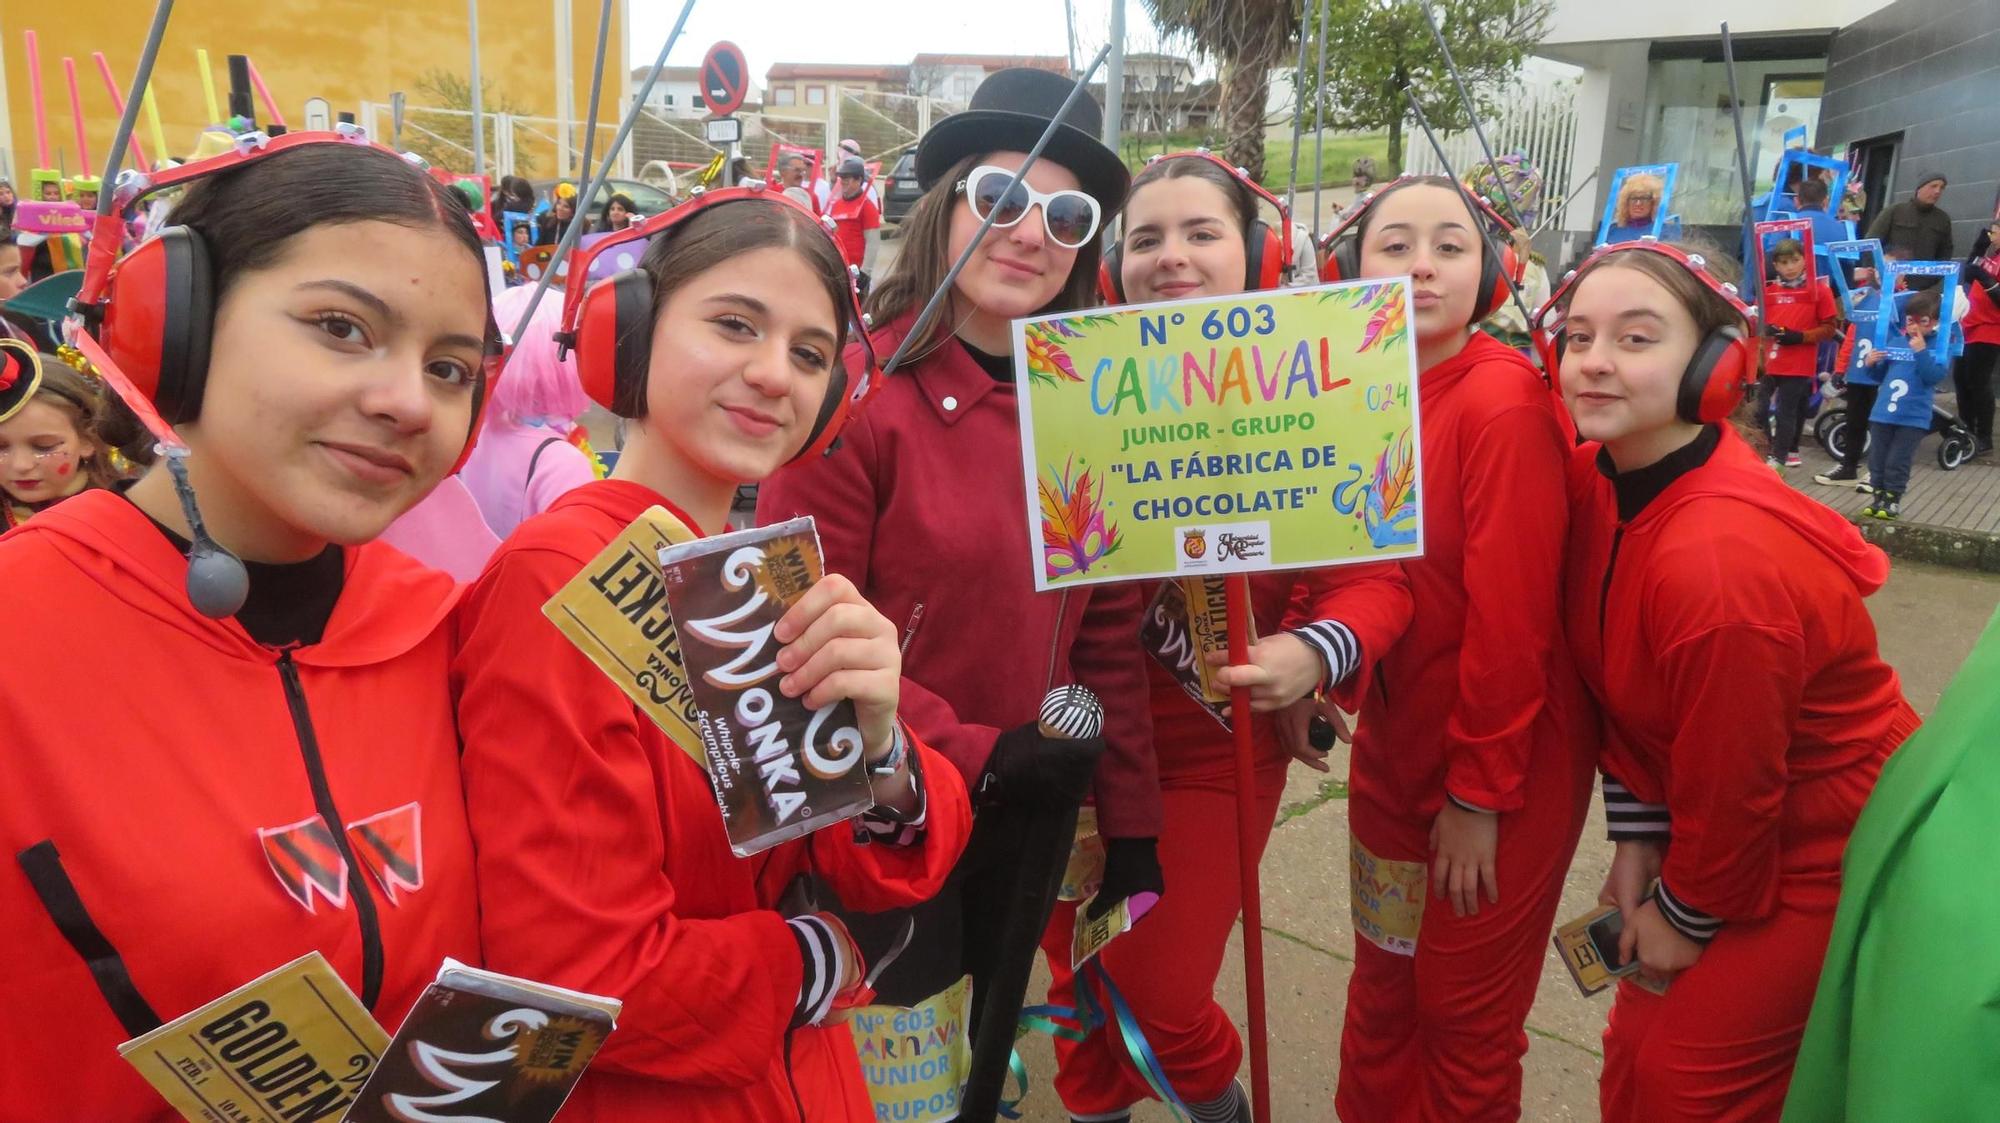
(1717, 616)
(1472, 759)
(279, 775)
(603, 862)
(1191, 229)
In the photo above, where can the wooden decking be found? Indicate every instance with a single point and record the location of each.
(1967, 499)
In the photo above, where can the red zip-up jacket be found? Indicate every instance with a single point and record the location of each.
(150, 746)
(604, 864)
(923, 508)
(1722, 630)
(1372, 600)
(1480, 688)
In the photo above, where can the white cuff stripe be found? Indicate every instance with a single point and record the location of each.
(1337, 647)
(1690, 922)
(820, 951)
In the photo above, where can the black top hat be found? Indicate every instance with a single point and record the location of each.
(1009, 111)
(20, 375)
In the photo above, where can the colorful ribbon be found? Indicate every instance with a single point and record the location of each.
(1089, 1016)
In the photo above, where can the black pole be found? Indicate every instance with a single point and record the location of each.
(1471, 112)
(1749, 183)
(1485, 235)
(240, 103)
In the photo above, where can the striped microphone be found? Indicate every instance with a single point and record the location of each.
(1072, 713)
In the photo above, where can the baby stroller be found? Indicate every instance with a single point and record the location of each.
(1833, 432)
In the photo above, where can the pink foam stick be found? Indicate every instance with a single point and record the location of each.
(118, 104)
(264, 92)
(76, 114)
(35, 98)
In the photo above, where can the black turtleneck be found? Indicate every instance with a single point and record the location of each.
(1000, 368)
(288, 605)
(1640, 486)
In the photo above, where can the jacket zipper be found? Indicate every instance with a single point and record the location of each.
(357, 884)
(1604, 593)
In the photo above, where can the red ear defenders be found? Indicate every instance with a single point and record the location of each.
(1267, 251)
(1723, 366)
(1343, 262)
(609, 324)
(154, 309)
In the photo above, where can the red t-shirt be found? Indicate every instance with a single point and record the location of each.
(852, 219)
(1800, 311)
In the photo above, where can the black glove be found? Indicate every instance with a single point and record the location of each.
(1772, 331)
(1983, 241)
(1790, 338)
(1030, 770)
(1131, 866)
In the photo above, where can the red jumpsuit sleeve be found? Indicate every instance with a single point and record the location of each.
(564, 804)
(1372, 600)
(1516, 520)
(1733, 667)
(876, 877)
(1108, 660)
(839, 492)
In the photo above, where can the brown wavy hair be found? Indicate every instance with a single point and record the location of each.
(926, 257)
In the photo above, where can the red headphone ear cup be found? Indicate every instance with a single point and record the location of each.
(832, 415)
(1263, 258)
(1344, 263)
(1716, 377)
(1109, 284)
(1495, 276)
(158, 319)
(614, 336)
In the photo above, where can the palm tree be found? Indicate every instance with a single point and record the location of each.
(1250, 37)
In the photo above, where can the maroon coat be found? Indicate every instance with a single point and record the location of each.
(924, 508)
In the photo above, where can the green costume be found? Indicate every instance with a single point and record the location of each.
(1906, 1023)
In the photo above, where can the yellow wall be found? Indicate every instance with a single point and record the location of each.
(345, 51)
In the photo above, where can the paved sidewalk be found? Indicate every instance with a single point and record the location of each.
(1929, 618)
(1948, 518)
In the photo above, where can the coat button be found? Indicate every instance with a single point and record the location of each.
(950, 403)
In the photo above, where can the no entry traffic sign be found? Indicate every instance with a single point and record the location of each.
(725, 78)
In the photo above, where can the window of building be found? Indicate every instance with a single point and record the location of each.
(784, 95)
(815, 95)
(700, 102)
(1688, 123)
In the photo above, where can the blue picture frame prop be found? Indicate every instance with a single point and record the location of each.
(508, 221)
(1779, 201)
(1859, 304)
(1667, 173)
(1770, 234)
(1889, 336)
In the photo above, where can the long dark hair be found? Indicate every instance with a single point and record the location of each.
(728, 230)
(604, 212)
(247, 215)
(926, 257)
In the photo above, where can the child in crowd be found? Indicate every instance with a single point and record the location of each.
(1798, 319)
(50, 448)
(1902, 413)
(857, 218)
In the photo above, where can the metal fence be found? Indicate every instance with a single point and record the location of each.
(885, 125)
(1541, 125)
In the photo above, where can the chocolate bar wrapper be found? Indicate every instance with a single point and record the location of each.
(1186, 621)
(482, 1045)
(779, 770)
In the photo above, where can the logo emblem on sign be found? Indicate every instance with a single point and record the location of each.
(1194, 543)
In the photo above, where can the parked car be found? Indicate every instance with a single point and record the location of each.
(899, 189)
(648, 199)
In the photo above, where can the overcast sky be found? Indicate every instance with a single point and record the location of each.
(878, 31)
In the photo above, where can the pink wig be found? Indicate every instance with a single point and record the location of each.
(536, 386)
